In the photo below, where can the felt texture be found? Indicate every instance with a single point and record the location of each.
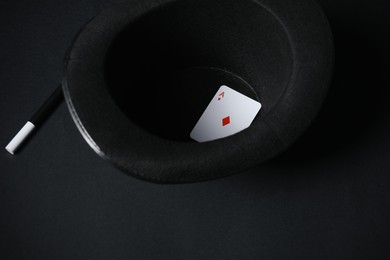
(282, 49)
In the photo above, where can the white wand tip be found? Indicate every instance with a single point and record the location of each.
(20, 137)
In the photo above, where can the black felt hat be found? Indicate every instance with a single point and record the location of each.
(138, 75)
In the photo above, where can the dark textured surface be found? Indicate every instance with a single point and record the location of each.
(327, 197)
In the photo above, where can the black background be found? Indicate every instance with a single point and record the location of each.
(328, 197)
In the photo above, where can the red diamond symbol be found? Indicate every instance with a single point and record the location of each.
(226, 121)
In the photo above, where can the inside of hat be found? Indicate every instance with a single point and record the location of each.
(164, 68)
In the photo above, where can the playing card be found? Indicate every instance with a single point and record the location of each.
(228, 113)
